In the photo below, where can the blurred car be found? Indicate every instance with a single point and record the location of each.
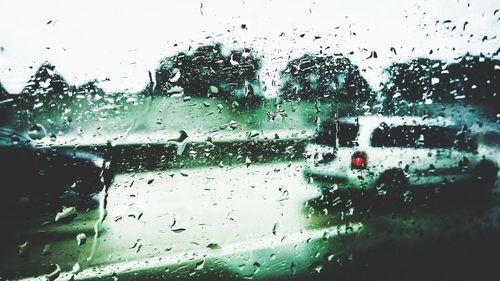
(45, 176)
(389, 154)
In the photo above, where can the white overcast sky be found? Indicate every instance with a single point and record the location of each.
(122, 40)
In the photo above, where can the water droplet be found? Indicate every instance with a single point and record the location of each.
(54, 273)
(81, 238)
(37, 132)
(66, 213)
(76, 268)
(212, 90)
(432, 168)
(329, 257)
(200, 264)
(275, 227)
(22, 249)
(214, 246)
(177, 75)
(180, 142)
(252, 134)
(315, 267)
(178, 230)
(46, 250)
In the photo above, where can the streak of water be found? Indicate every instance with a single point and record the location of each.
(98, 225)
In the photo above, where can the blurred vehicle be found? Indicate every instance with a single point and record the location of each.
(35, 175)
(389, 154)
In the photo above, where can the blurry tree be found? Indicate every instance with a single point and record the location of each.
(46, 90)
(209, 72)
(4, 106)
(332, 78)
(89, 88)
(59, 106)
(475, 78)
(13, 113)
(421, 80)
(3, 92)
(413, 80)
(46, 81)
(91, 94)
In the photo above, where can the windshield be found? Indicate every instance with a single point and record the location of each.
(242, 140)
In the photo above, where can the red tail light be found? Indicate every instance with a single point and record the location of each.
(359, 160)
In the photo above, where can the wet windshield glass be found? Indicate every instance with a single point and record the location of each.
(249, 140)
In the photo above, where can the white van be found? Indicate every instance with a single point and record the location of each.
(391, 153)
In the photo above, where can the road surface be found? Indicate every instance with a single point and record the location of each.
(239, 222)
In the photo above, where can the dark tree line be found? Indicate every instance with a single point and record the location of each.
(46, 81)
(209, 72)
(329, 78)
(46, 90)
(48, 86)
(413, 80)
(3, 92)
(476, 78)
(47, 96)
(471, 79)
(4, 115)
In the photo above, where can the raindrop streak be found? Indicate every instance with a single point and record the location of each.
(315, 267)
(275, 227)
(81, 238)
(147, 109)
(248, 161)
(23, 248)
(54, 274)
(98, 224)
(65, 213)
(180, 142)
(76, 268)
(213, 246)
(200, 264)
(293, 268)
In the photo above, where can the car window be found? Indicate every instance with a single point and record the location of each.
(341, 134)
(419, 137)
(230, 140)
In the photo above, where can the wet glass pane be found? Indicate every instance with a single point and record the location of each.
(261, 140)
